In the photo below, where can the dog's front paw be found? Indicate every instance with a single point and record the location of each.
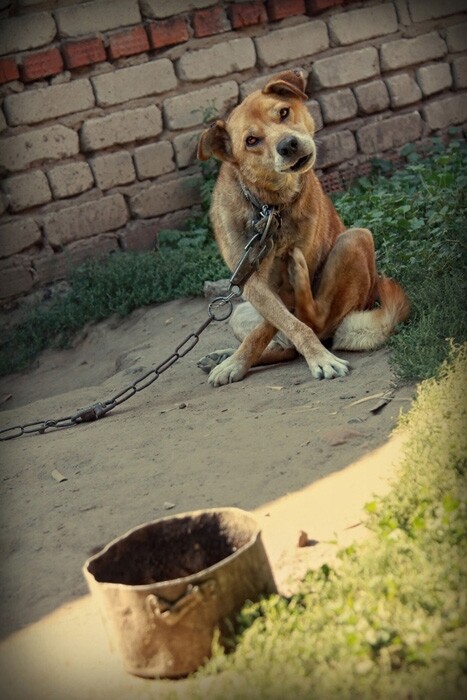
(327, 366)
(231, 370)
(208, 362)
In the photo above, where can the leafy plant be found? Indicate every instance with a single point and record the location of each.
(417, 218)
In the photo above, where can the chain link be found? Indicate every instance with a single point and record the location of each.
(98, 410)
(255, 250)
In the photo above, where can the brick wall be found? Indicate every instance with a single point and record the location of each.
(103, 102)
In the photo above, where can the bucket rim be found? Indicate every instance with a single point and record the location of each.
(183, 579)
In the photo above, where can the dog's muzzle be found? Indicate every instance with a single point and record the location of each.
(293, 151)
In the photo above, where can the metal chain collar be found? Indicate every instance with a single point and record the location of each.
(255, 251)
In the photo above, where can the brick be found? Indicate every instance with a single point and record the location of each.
(185, 146)
(434, 78)
(17, 235)
(83, 53)
(158, 9)
(168, 32)
(59, 79)
(99, 16)
(51, 102)
(154, 159)
(8, 70)
(359, 25)
(85, 220)
(70, 179)
(247, 14)
(26, 32)
(335, 148)
(131, 83)
(249, 86)
(194, 108)
(218, 60)
(113, 169)
(95, 247)
(28, 190)
(41, 65)
(456, 37)
(209, 22)
(403, 90)
(15, 278)
(459, 71)
(315, 6)
(315, 111)
(372, 97)
(406, 52)
(140, 234)
(120, 128)
(332, 182)
(337, 106)
(128, 43)
(51, 267)
(278, 9)
(291, 43)
(51, 143)
(422, 10)
(403, 12)
(389, 133)
(166, 197)
(446, 111)
(346, 68)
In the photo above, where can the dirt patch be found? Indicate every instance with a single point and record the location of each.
(177, 446)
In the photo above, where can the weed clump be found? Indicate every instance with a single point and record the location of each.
(389, 621)
(417, 218)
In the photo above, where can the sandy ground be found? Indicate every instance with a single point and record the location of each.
(181, 445)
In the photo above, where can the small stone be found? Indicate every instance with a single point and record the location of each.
(168, 505)
(341, 435)
(215, 289)
(302, 539)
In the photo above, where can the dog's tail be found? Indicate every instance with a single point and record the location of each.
(367, 330)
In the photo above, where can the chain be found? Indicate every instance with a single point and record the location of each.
(255, 251)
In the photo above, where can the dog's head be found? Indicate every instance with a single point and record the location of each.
(269, 135)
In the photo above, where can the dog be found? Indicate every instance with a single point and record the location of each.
(318, 281)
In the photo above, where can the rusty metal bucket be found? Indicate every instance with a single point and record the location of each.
(165, 586)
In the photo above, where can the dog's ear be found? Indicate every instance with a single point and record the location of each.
(216, 142)
(289, 83)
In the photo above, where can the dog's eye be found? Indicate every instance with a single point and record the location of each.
(284, 113)
(251, 140)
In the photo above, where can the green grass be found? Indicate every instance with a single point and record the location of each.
(418, 220)
(389, 621)
(124, 282)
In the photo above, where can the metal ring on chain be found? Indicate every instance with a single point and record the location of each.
(215, 308)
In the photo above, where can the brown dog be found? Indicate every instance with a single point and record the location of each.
(319, 280)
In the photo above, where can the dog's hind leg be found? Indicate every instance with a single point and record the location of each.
(245, 321)
(346, 292)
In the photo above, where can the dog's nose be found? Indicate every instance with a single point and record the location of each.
(287, 147)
